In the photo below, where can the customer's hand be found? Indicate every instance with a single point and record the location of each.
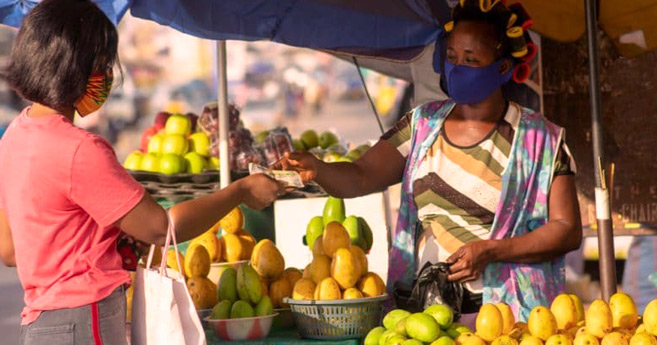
(259, 190)
(469, 261)
(303, 162)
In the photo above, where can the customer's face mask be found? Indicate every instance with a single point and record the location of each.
(98, 89)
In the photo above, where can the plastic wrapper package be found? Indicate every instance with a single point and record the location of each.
(277, 143)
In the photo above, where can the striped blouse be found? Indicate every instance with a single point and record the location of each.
(457, 188)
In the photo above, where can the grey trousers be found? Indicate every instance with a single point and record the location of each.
(93, 324)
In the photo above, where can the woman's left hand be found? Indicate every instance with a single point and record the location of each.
(469, 261)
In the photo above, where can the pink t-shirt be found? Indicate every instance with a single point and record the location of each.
(62, 190)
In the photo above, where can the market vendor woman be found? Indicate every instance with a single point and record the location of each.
(490, 183)
(64, 197)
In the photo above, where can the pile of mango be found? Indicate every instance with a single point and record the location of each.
(235, 243)
(339, 269)
(256, 288)
(434, 326)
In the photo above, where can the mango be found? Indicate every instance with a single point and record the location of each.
(393, 317)
(626, 333)
(599, 321)
(586, 339)
(211, 243)
(504, 340)
(559, 339)
(345, 268)
(248, 284)
(371, 285)
(417, 342)
(366, 231)
(305, 274)
(278, 290)
(360, 257)
(400, 327)
(442, 314)
(309, 138)
(264, 286)
(202, 292)
(172, 261)
(234, 249)
(334, 211)
(320, 268)
(396, 339)
(248, 242)
(650, 317)
(227, 287)
(304, 289)
(443, 340)
(469, 339)
(327, 289)
(643, 339)
(197, 261)
(623, 311)
(335, 236)
(221, 311)
(372, 337)
(531, 340)
(614, 338)
(456, 329)
(422, 327)
(387, 334)
(508, 319)
(292, 275)
(241, 309)
(579, 306)
(352, 226)
(267, 260)
(565, 312)
(233, 221)
(264, 307)
(352, 293)
(542, 323)
(318, 248)
(489, 322)
(314, 230)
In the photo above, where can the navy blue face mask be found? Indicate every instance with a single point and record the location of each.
(471, 85)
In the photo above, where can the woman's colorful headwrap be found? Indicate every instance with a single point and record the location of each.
(522, 48)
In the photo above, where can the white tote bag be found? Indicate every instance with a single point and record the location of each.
(163, 313)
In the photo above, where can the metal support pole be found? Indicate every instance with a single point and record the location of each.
(603, 211)
(223, 121)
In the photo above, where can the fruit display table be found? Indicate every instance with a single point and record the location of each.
(281, 337)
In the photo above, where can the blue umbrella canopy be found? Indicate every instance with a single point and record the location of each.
(13, 11)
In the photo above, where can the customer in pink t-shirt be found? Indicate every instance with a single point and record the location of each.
(64, 198)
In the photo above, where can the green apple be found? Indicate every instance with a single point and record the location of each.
(213, 163)
(150, 162)
(331, 157)
(442, 314)
(309, 139)
(195, 163)
(155, 144)
(200, 143)
(171, 164)
(176, 144)
(327, 139)
(260, 137)
(298, 145)
(133, 161)
(178, 124)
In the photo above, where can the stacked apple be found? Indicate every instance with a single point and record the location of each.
(171, 147)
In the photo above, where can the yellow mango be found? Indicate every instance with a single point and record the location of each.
(320, 268)
(508, 319)
(345, 268)
(599, 321)
(623, 311)
(489, 323)
(327, 289)
(268, 260)
(371, 285)
(542, 323)
(304, 289)
(565, 312)
(335, 237)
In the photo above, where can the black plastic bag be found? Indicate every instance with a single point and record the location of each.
(430, 287)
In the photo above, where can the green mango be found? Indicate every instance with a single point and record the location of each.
(249, 288)
(314, 230)
(309, 139)
(352, 225)
(298, 145)
(221, 311)
(264, 307)
(241, 309)
(227, 286)
(367, 234)
(334, 210)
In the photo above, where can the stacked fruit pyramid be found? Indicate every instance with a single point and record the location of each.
(339, 269)
(564, 323)
(172, 146)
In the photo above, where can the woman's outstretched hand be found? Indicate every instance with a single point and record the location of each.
(260, 190)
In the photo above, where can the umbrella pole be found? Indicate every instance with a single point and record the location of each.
(603, 211)
(223, 121)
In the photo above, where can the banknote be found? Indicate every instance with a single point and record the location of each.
(290, 178)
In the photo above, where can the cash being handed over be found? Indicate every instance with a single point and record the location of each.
(290, 178)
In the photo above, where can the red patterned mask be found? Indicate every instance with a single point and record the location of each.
(98, 89)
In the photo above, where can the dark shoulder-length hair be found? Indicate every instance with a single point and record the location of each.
(59, 45)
